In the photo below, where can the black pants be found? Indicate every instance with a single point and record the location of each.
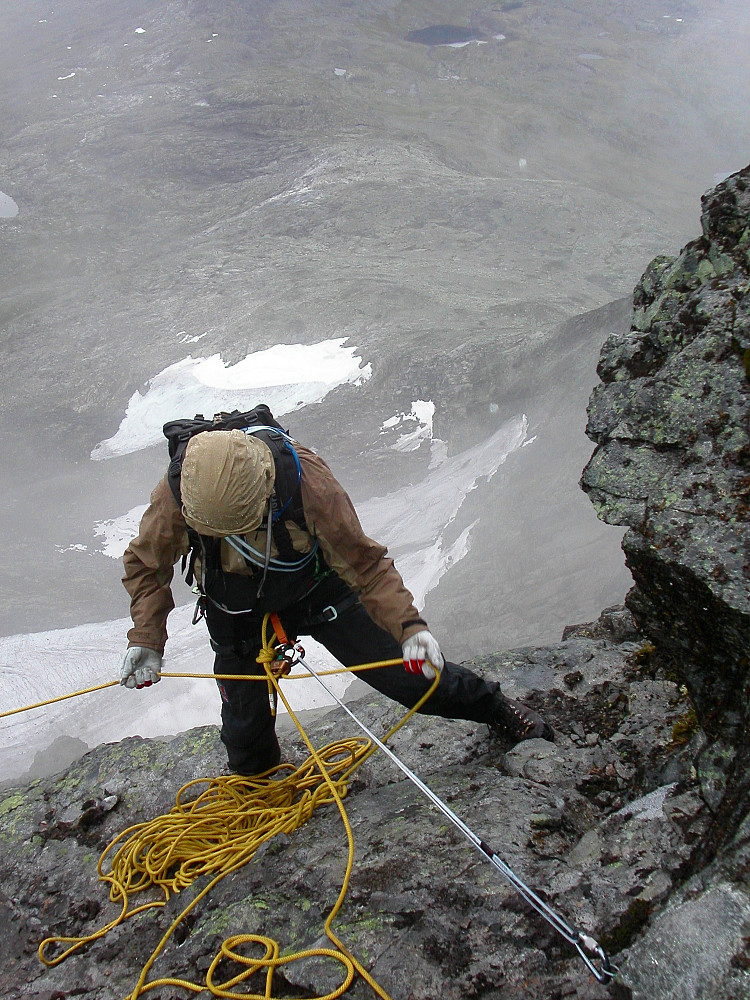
(248, 728)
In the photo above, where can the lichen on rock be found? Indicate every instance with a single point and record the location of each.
(671, 420)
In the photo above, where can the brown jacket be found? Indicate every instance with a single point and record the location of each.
(331, 519)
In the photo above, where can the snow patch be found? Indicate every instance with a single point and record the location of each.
(462, 45)
(421, 413)
(424, 574)
(119, 532)
(286, 377)
(415, 522)
(8, 208)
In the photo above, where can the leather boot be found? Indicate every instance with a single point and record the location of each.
(516, 722)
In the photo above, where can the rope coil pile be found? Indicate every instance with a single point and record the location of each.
(216, 833)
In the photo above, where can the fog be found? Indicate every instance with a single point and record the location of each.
(461, 197)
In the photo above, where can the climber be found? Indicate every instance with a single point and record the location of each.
(263, 526)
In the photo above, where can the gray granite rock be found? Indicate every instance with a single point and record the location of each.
(672, 424)
(599, 827)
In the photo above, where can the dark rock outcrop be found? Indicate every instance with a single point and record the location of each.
(672, 424)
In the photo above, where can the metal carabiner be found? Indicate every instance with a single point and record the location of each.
(586, 947)
(287, 655)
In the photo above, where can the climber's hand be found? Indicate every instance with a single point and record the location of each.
(140, 668)
(421, 654)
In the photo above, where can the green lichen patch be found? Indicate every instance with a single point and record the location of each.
(685, 728)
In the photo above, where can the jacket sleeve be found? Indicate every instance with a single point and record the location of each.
(358, 560)
(149, 564)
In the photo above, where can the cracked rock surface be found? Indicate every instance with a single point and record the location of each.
(672, 423)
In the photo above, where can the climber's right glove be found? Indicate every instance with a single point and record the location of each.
(140, 668)
(421, 653)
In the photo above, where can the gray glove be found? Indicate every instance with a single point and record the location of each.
(421, 652)
(140, 668)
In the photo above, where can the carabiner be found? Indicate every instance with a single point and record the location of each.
(586, 947)
(287, 655)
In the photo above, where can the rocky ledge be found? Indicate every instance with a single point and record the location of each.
(602, 824)
(633, 825)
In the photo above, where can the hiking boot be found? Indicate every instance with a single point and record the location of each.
(515, 722)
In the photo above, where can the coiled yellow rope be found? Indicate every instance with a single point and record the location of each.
(217, 833)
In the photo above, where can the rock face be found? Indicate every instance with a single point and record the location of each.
(633, 825)
(672, 424)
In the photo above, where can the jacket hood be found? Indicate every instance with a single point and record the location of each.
(227, 479)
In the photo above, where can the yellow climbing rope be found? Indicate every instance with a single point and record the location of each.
(219, 831)
(60, 697)
(203, 676)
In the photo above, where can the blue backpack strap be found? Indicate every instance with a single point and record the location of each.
(265, 432)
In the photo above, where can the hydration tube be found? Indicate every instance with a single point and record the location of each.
(256, 558)
(590, 951)
(290, 447)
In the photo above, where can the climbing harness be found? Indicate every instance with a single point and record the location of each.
(219, 832)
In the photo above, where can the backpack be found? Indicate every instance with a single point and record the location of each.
(285, 505)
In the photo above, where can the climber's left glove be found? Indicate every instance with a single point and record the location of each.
(140, 668)
(421, 653)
